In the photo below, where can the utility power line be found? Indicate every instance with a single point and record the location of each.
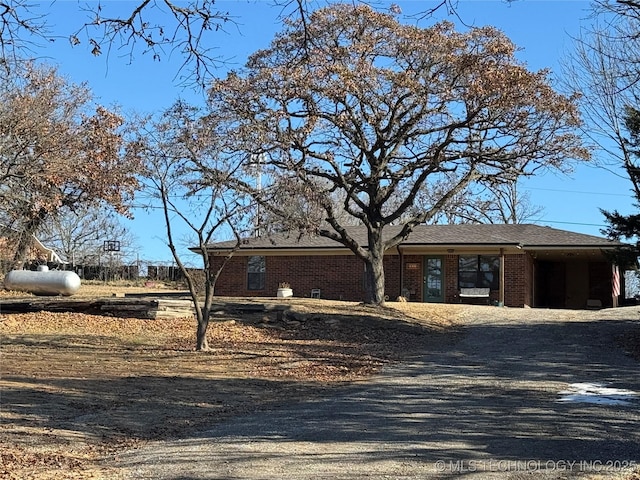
(628, 195)
(574, 223)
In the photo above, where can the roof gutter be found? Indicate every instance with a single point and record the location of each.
(571, 247)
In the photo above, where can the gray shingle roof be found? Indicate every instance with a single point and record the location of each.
(523, 235)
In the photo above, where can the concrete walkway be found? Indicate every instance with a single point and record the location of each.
(495, 402)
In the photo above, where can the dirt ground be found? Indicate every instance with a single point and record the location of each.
(77, 389)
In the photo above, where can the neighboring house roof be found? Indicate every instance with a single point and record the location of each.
(48, 253)
(525, 236)
(51, 254)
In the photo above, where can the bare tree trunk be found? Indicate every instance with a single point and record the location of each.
(202, 344)
(374, 270)
(204, 311)
(374, 282)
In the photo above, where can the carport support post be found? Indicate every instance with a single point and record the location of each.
(615, 285)
(501, 291)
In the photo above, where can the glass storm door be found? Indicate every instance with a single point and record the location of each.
(433, 280)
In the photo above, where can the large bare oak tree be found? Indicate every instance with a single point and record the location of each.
(354, 102)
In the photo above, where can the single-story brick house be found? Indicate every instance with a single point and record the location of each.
(520, 265)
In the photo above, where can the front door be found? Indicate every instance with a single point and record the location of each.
(433, 281)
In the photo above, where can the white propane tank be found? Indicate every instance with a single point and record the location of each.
(43, 282)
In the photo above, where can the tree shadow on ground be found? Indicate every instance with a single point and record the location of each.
(113, 387)
(493, 395)
(489, 390)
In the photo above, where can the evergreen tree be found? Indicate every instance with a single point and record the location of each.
(628, 226)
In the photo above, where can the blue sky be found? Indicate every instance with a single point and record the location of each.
(543, 29)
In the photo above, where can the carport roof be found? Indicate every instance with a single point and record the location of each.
(526, 236)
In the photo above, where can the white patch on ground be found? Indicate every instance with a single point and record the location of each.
(597, 393)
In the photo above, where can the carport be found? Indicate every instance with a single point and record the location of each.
(574, 279)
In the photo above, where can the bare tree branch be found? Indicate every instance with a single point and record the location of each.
(161, 28)
(20, 27)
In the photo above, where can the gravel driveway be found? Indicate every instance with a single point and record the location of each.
(511, 393)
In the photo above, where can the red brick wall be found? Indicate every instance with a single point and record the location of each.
(413, 277)
(392, 289)
(339, 277)
(517, 273)
(451, 279)
(233, 278)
